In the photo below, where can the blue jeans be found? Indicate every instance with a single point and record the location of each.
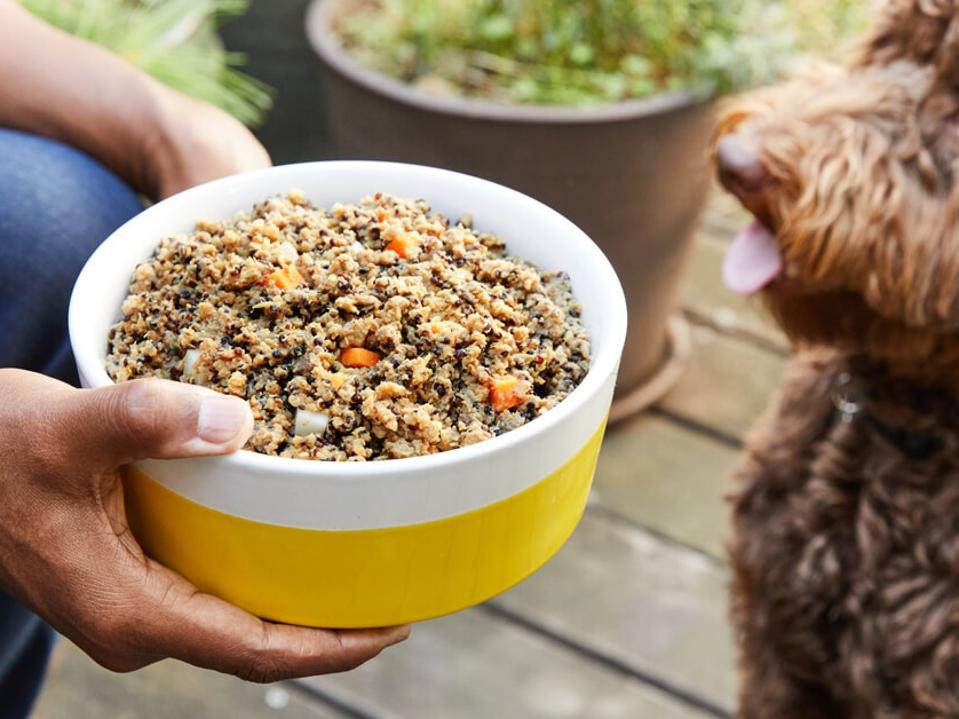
(56, 206)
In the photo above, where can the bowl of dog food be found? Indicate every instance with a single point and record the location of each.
(429, 358)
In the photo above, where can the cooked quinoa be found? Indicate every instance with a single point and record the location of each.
(368, 331)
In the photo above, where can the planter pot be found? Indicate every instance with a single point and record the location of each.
(633, 175)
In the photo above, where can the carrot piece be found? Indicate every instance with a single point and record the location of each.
(359, 357)
(503, 393)
(284, 278)
(403, 244)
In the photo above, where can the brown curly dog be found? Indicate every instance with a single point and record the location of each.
(845, 549)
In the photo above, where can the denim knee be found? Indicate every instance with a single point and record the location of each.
(56, 206)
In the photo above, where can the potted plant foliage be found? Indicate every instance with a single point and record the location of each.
(600, 108)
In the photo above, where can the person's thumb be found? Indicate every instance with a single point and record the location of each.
(158, 419)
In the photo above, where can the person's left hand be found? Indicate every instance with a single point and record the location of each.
(192, 142)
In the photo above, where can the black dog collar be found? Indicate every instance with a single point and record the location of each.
(850, 402)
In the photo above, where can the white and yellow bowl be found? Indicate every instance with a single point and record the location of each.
(378, 543)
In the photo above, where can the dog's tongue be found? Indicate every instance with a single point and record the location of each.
(752, 260)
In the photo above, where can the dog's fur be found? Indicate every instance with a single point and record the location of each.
(845, 550)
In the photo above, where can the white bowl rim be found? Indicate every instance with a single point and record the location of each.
(603, 364)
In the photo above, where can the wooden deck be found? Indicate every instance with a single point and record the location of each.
(627, 621)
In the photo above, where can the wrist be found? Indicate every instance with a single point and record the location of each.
(190, 141)
(153, 144)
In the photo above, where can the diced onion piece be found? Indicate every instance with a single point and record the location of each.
(307, 422)
(288, 250)
(189, 363)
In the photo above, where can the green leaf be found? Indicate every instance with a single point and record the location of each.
(581, 54)
(496, 28)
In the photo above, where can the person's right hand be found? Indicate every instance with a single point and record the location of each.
(158, 140)
(66, 550)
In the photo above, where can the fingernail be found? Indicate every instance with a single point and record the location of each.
(220, 419)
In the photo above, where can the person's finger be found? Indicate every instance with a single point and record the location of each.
(152, 418)
(182, 622)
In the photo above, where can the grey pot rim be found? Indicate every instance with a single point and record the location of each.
(325, 44)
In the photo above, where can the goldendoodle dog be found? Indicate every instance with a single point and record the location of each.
(845, 549)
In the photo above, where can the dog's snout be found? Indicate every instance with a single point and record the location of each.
(740, 163)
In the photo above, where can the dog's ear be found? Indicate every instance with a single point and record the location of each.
(919, 31)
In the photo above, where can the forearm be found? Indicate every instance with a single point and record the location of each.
(71, 90)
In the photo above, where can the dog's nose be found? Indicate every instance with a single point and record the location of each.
(741, 169)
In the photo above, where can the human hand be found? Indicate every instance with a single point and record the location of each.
(66, 550)
(158, 140)
(191, 142)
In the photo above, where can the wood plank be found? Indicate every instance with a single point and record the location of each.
(727, 385)
(657, 608)
(723, 216)
(78, 688)
(471, 665)
(705, 298)
(668, 478)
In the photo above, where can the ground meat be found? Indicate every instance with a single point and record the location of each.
(451, 341)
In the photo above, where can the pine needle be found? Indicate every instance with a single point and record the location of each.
(175, 41)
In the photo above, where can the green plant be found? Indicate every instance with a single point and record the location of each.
(173, 40)
(589, 51)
